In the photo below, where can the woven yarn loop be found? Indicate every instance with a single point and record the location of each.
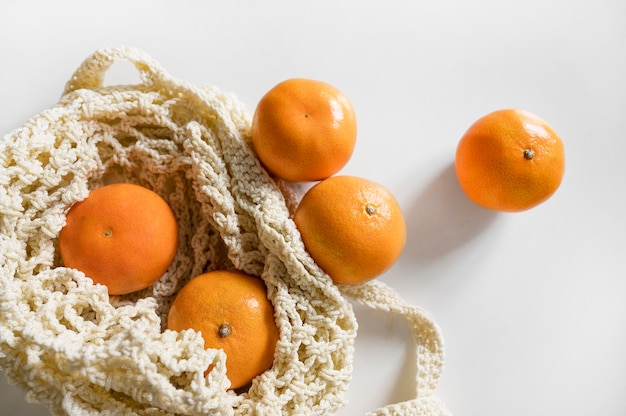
(74, 348)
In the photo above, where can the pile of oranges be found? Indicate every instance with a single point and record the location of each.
(305, 130)
(353, 228)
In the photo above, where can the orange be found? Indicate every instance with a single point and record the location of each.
(304, 130)
(352, 227)
(510, 160)
(122, 235)
(232, 311)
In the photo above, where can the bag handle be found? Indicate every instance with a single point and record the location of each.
(90, 74)
(429, 343)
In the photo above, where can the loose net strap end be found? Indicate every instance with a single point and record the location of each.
(427, 335)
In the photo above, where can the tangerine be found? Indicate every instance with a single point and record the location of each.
(122, 235)
(510, 160)
(231, 310)
(304, 130)
(352, 227)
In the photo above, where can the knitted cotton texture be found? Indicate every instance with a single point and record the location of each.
(73, 347)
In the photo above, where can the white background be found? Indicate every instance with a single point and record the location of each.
(532, 305)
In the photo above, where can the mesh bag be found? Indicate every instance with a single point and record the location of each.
(79, 351)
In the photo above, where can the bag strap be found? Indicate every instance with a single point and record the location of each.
(90, 74)
(429, 343)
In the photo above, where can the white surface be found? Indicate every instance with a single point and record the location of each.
(531, 304)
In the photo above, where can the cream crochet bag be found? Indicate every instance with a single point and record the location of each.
(71, 346)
